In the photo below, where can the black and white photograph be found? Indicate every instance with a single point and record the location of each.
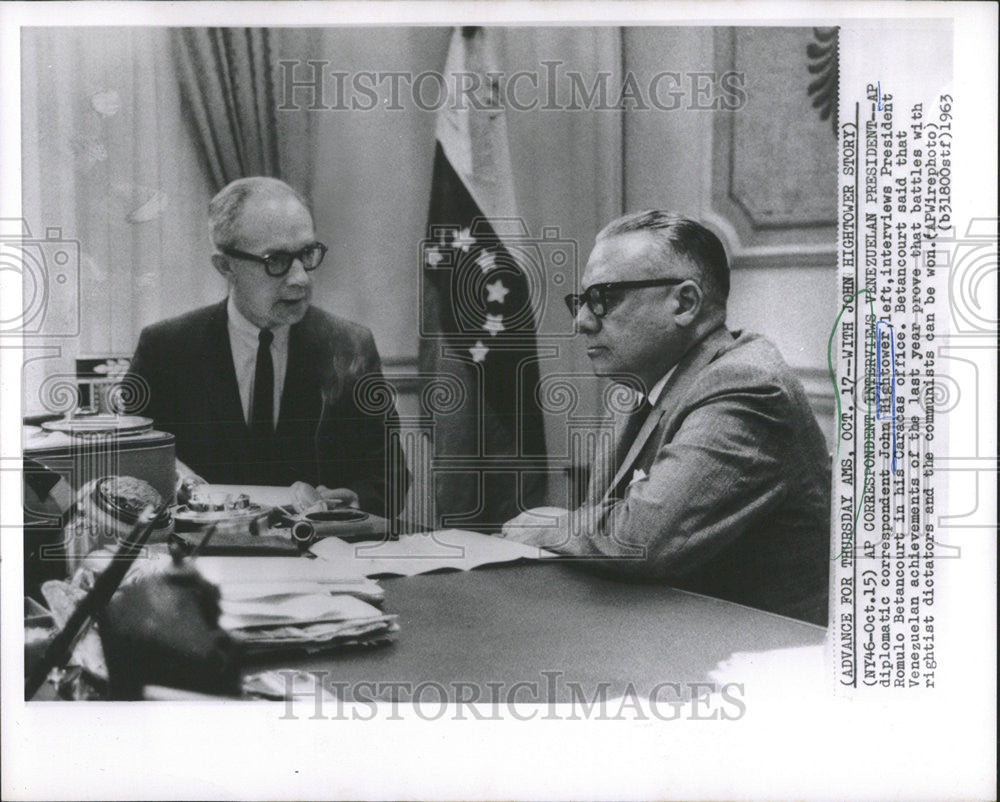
(436, 404)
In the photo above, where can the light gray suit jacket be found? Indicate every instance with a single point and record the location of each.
(726, 486)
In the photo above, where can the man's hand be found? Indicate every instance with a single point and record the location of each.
(307, 498)
(339, 496)
(546, 527)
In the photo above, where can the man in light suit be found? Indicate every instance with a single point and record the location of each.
(719, 481)
(260, 388)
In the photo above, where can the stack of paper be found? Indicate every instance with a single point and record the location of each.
(306, 621)
(276, 603)
(290, 602)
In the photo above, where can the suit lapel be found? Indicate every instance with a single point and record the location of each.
(647, 429)
(690, 365)
(219, 381)
(300, 399)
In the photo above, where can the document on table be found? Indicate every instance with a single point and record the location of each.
(261, 571)
(275, 570)
(266, 578)
(446, 549)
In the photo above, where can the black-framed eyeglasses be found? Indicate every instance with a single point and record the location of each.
(278, 263)
(596, 295)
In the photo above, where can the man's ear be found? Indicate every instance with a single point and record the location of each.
(689, 302)
(221, 263)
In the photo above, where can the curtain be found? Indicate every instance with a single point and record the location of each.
(227, 83)
(109, 176)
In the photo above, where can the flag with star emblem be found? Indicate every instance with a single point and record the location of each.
(477, 351)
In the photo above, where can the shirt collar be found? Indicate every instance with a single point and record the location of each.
(657, 389)
(246, 330)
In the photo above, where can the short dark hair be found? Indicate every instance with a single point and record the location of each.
(225, 208)
(684, 237)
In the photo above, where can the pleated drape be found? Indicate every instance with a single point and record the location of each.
(226, 78)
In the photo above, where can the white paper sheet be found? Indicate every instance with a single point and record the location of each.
(446, 549)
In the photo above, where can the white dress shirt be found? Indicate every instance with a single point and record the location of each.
(243, 340)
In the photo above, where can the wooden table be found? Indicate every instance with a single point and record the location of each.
(509, 624)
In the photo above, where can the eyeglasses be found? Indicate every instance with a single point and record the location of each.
(279, 263)
(596, 295)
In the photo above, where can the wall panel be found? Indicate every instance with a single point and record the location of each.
(762, 176)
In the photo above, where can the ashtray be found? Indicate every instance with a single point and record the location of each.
(345, 523)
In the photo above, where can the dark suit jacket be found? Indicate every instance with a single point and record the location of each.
(726, 488)
(324, 434)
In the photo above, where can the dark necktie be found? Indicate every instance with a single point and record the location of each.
(262, 405)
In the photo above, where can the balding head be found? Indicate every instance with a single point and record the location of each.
(677, 236)
(253, 219)
(226, 208)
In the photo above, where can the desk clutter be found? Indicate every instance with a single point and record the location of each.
(269, 604)
(185, 617)
(193, 624)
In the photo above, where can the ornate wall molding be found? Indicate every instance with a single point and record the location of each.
(772, 183)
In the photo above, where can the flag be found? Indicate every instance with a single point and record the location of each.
(478, 338)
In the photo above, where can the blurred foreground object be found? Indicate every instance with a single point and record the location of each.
(61, 647)
(164, 630)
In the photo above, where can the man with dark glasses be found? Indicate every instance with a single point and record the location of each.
(718, 479)
(259, 389)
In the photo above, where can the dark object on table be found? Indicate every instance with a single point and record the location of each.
(124, 497)
(238, 543)
(47, 501)
(79, 460)
(348, 524)
(164, 630)
(237, 532)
